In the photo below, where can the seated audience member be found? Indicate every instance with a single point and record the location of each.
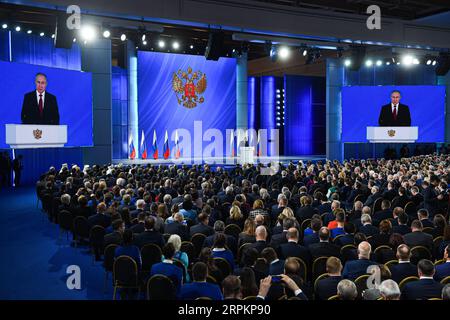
(313, 237)
(439, 224)
(346, 290)
(266, 284)
(116, 236)
(199, 287)
(258, 208)
(418, 238)
(187, 210)
(443, 269)
(327, 287)
(366, 226)
(178, 227)
(248, 282)
(330, 217)
(349, 235)
(324, 248)
(426, 287)
(375, 194)
(384, 214)
(355, 268)
(140, 226)
(219, 228)
(219, 250)
(140, 205)
(339, 227)
(150, 235)
(446, 292)
(248, 234)
(261, 235)
(231, 287)
(276, 266)
(389, 290)
(207, 258)
(445, 242)
(404, 268)
(128, 249)
(382, 238)
(100, 218)
(356, 212)
(293, 249)
(236, 217)
(167, 268)
(306, 210)
(424, 217)
(402, 224)
(202, 226)
(280, 238)
(181, 256)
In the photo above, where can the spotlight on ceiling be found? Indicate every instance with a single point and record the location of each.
(191, 47)
(379, 63)
(106, 34)
(17, 28)
(123, 37)
(347, 62)
(175, 45)
(369, 63)
(161, 43)
(284, 52)
(407, 60)
(88, 33)
(4, 26)
(29, 31)
(41, 34)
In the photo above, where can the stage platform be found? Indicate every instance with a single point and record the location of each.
(228, 161)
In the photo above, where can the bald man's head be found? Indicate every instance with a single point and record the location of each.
(261, 233)
(364, 249)
(403, 252)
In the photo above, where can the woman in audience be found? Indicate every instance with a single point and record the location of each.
(258, 208)
(248, 234)
(445, 242)
(219, 250)
(248, 282)
(182, 256)
(207, 258)
(236, 217)
(382, 238)
(439, 223)
(128, 249)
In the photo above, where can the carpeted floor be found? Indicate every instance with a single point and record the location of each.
(33, 262)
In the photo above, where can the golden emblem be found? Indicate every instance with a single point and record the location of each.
(189, 87)
(37, 134)
(391, 133)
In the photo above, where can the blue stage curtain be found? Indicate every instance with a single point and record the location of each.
(33, 49)
(119, 95)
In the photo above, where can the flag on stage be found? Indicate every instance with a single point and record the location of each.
(232, 143)
(143, 148)
(155, 146)
(132, 151)
(177, 147)
(258, 147)
(166, 146)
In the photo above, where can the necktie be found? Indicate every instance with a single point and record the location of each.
(41, 108)
(394, 113)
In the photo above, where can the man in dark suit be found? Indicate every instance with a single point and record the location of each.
(394, 114)
(150, 235)
(219, 227)
(276, 266)
(404, 268)
(417, 237)
(178, 227)
(430, 196)
(199, 287)
(280, 238)
(423, 216)
(292, 249)
(115, 237)
(140, 204)
(443, 269)
(324, 248)
(202, 226)
(261, 236)
(100, 218)
(367, 228)
(355, 268)
(402, 224)
(426, 287)
(140, 226)
(328, 287)
(375, 194)
(40, 106)
(384, 213)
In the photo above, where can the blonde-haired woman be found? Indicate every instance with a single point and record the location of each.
(236, 216)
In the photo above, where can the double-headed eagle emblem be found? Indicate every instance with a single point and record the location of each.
(37, 134)
(391, 133)
(189, 93)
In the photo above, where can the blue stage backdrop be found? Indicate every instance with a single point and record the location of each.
(361, 107)
(73, 91)
(161, 108)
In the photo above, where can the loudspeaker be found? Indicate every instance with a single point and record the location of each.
(63, 36)
(214, 48)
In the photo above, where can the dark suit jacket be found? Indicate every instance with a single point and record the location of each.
(387, 120)
(401, 229)
(368, 230)
(292, 249)
(113, 238)
(99, 219)
(138, 228)
(177, 228)
(311, 239)
(419, 238)
(422, 289)
(259, 245)
(147, 237)
(355, 268)
(30, 109)
(324, 249)
(278, 239)
(442, 271)
(201, 228)
(276, 268)
(231, 242)
(327, 287)
(402, 270)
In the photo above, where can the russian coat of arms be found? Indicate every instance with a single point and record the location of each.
(37, 134)
(391, 133)
(189, 87)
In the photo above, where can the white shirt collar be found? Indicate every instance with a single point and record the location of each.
(423, 277)
(392, 106)
(275, 261)
(43, 94)
(167, 261)
(219, 249)
(400, 261)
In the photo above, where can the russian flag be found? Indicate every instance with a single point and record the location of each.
(166, 146)
(177, 147)
(258, 147)
(155, 146)
(143, 148)
(132, 151)
(232, 143)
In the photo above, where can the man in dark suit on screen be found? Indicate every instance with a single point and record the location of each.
(40, 106)
(394, 114)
